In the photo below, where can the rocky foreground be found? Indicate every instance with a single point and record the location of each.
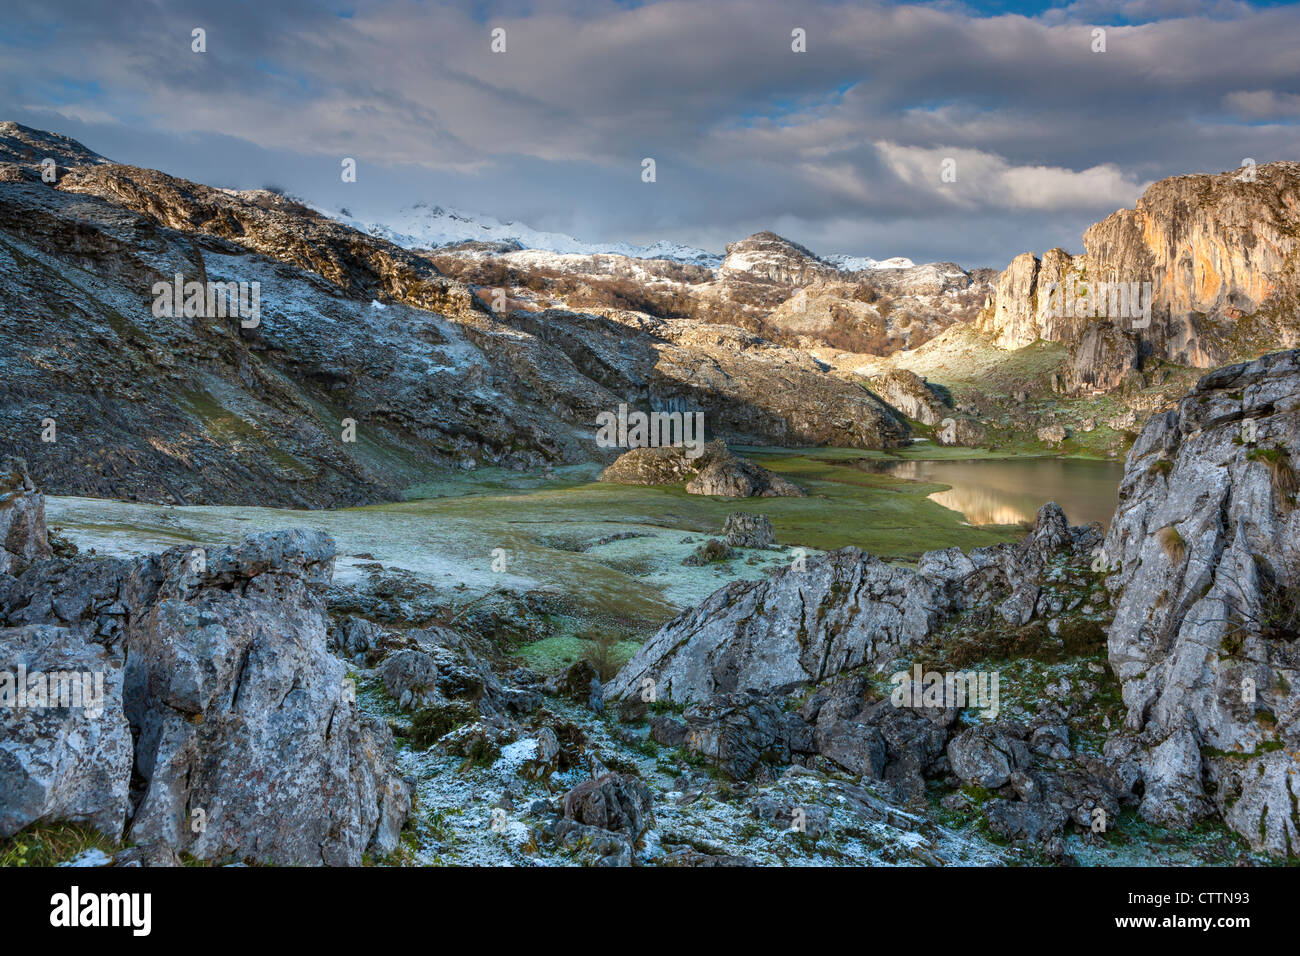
(1074, 697)
(216, 724)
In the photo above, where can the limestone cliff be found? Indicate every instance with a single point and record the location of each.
(1220, 255)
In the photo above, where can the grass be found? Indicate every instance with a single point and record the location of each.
(1172, 543)
(47, 844)
(554, 655)
(549, 529)
(1161, 466)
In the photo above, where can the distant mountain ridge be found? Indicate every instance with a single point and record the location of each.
(423, 226)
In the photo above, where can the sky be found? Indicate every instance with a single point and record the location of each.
(842, 147)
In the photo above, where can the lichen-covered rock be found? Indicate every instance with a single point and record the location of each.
(714, 471)
(67, 754)
(794, 626)
(1052, 434)
(730, 477)
(986, 756)
(411, 678)
(896, 745)
(1207, 541)
(244, 737)
(242, 714)
(739, 733)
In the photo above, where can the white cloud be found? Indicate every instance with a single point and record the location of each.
(984, 179)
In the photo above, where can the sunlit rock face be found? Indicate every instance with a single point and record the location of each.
(1204, 641)
(1219, 253)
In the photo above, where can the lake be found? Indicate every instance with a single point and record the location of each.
(1011, 490)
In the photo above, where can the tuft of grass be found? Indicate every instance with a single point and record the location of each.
(46, 844)
(604, 653)
(1172, 542)
(1278, 461)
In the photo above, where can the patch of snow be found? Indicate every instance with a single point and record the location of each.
(92, 857)
(515, 755)
(424, 226)
(864, 264)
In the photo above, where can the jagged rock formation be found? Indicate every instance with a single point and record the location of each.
(1219, 252)
(215, 722)
(842, 610)
(715, 471)
(781, 672)
(1205, 632)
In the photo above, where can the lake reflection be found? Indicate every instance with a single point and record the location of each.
(1009, 491)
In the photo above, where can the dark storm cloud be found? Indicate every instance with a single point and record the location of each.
(840, 147)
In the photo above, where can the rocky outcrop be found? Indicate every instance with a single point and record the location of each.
(1104, 359)
(23, 538)
(612, 802)
(65, 743)
(1052, 434)
(729, 476)
(911, 395)
(219, 724)
(228, 681)
(748, 531)
(1013, 318)
(714, 471)
(765, 255)
(1218, 252)
(1204, 638)
(842, 610)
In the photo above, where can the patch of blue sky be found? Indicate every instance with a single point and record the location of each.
(1121, 13)
(785, 110)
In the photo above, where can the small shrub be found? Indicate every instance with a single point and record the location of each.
(601, 654)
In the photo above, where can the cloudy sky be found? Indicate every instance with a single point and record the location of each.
(840, 147)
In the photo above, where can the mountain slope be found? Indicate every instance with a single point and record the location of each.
(204, 408)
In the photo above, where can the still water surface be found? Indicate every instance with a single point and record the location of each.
(1010, 490)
